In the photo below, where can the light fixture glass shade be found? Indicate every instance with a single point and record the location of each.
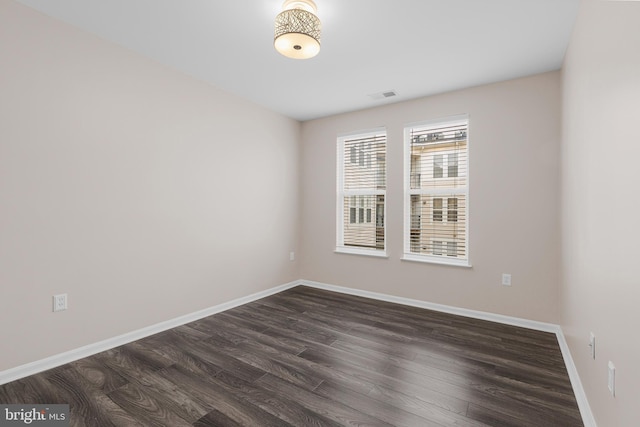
(297, 30)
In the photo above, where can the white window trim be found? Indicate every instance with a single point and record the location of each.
(341, 193)
(424, 258)
(431, 259)
(361, 251)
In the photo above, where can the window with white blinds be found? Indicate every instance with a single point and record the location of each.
(362, 184)
(437, 191)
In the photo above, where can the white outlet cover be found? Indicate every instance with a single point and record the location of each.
(612, 379)
(506, 279)
(60, 302)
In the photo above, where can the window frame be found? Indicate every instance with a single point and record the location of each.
(360, 193)
(444, 194)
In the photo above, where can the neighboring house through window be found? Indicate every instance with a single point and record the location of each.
(436, 197)
(361, 193)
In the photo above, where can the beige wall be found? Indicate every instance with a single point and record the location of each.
(600, 290)
(514, 141)
(129, 186)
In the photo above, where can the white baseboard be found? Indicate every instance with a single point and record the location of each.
(581, 397)
(91, 349)
(482, 315)
(583, 404)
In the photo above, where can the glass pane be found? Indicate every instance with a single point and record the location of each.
(381, 171)
(360, 230)
(449, 230)
(437, 166)
(365, 169)
(437, 210)
(416, 213)
(452, 165)
(452, 209)
(380, 212)
(416, 171)
(452, 249)
(437, 247)
(438, 156)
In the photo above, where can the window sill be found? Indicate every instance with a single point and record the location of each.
(435, 260)
(365, 252)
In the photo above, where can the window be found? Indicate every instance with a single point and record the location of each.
(361, 193)
(438, 164)
(436, 191)
(452, 209)
(445, 165)
(359, 207)
(437, 209)
(448, 205)
(352, 209)
(452, 165)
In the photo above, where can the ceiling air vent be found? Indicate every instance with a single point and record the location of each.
(383, 95)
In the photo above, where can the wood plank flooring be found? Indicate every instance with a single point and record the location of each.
(308, 357)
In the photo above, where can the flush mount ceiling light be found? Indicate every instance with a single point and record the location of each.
(297, 33)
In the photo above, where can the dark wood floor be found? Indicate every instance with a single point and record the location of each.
(308, 357)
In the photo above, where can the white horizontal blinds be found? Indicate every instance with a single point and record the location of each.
(439, 157)
(437, 190)
(364, 222)
(364, 163)
(363, 191)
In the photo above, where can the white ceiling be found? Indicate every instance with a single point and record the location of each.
(414, 47)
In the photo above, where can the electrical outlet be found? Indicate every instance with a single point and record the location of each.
(612, 379)
(60, 302)
(292, 256)
(592, 345)
(506, 279)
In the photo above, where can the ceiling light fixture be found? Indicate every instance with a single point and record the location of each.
(297, 33)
